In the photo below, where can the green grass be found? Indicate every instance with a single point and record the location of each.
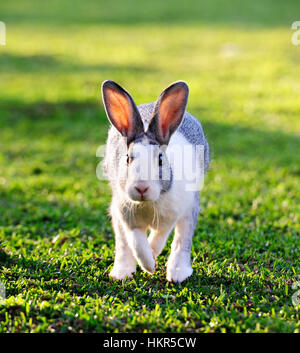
(57, 244)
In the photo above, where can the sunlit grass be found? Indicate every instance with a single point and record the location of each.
(56, 238)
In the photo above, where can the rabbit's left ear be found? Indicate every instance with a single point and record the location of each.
(169, 111)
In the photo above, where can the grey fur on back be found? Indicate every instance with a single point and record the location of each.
(190, 128)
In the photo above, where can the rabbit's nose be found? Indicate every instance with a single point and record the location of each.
(141, 190)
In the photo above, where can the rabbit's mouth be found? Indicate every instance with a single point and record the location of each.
(140, 198)
(142, 192)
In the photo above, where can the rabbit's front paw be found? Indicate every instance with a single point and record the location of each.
(143, 253)
(178, 273)
(119, 273)
(148, 263)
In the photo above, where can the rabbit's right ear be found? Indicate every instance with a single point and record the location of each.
(121, 110)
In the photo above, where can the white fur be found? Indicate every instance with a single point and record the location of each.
(160, 215)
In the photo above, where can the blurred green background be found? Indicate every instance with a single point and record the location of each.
(56, 240)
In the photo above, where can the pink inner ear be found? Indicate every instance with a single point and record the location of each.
(119, 109)
(170, 108)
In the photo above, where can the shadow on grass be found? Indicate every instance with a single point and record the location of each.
(63, 122)
(247, 144)
(18, 112)
(35, 217)
(12, 63)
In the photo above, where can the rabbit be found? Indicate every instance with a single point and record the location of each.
(143, 138)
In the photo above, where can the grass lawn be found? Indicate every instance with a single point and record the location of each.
(56, 240)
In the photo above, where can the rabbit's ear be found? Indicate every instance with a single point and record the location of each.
(169, 111)
(121, 110)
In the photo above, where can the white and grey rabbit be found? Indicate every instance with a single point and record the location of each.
(146, 138)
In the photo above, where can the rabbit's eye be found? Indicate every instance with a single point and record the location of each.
(129, 159)
(160, 160)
